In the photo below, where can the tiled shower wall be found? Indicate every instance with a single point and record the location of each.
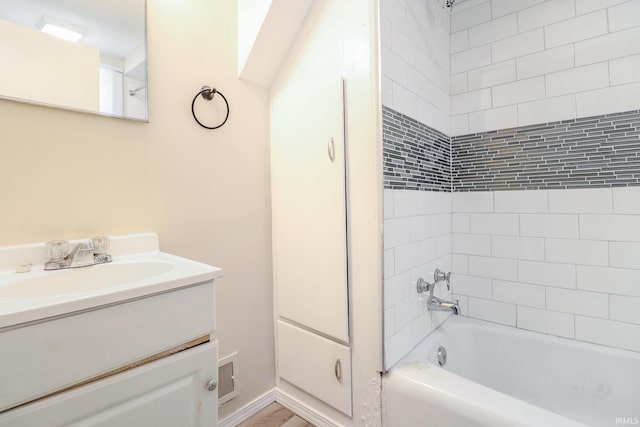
(520, 62)
(560, 257)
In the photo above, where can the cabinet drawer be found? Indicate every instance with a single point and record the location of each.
(166, 393)
(41, 358)
(313, 364)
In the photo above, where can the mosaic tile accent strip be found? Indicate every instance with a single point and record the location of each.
(600, 151)
(415, 156)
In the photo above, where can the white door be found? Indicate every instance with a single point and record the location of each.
(167, 393)
(308, 201)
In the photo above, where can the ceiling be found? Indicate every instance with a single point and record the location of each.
(116, 27)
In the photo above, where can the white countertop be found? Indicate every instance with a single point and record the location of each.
(176, 272)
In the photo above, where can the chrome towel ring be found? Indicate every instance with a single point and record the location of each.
(208, 93)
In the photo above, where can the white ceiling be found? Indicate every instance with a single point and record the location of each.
(116, 27)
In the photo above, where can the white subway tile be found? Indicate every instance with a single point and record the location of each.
(547, 274)
(460, 223)
(471, 101)
(582, 201)
(625, 309)
(389, 263)
(389, 322)
(393, 66)
(402, 45)
(493, 268)
(473, 201)
(505, 224)
(407, 310)
(492, 311)
(608, 332)
(430, 68)
(519, 45)
(609, 100)
(470, 244)
(492, 75)
(471, 286)
(396, 289)
(521, 201)
(459, 125)
(578, 302)
(609, 46)
(460, 264)
(458, 84)
(576, 251)
(471, 17)
(610, 227)
(503, 7)
(385, 31)
(394, 10)
(547, 110)
(494, 118)
(427, 203)
(624, 70)
(547, 322)
(420, 227)
(612, 280)
(519, 293)
(548, 61)
(496, 29)
(586, 6)
(439, 224)
(433, 116)
(470, 59)
(578, 79)
(388, 204)
(626, 200)
(553, 225)
(546, 13)
(520, 91)
(406, 257)
(387, 91)
(397, 232)
(397, 346)
(405, 203)
(624, 254)
(517, 247)
(459, 41)
(624, 16)
(443, 202)
(427, 250)
(444, 245)
(576, 29)
(404, 101)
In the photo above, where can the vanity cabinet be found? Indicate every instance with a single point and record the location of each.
(150, 361)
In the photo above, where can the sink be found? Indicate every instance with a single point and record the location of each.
(84, 279)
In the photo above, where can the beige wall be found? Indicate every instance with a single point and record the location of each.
(69, 175)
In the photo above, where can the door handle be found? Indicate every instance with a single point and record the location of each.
(331, 149)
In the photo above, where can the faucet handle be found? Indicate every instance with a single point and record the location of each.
(439, 276)
(57, 249)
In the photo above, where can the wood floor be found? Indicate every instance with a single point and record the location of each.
(275, 415)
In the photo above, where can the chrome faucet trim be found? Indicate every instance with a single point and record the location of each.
(84, 254)
(434, 303)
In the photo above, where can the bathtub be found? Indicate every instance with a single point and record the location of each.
(501, 376)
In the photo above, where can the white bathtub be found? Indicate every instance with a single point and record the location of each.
(501, 376)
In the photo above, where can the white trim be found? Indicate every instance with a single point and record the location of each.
(304, 411)
(250, 409)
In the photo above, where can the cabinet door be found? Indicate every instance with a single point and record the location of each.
(309, 208)
(167, 393)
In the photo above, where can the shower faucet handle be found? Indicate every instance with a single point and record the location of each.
(439, 276)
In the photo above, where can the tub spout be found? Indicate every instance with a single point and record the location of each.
(437, 304)
(434, 303)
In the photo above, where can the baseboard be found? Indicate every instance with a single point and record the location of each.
(304, 411)
(250, 409)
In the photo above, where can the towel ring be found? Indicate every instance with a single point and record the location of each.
(208, 93)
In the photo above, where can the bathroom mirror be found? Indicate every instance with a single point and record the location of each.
(86, 55)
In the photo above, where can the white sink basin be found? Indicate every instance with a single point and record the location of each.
(84, 279)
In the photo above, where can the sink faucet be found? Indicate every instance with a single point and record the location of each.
(90, 252)
(434, 303)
